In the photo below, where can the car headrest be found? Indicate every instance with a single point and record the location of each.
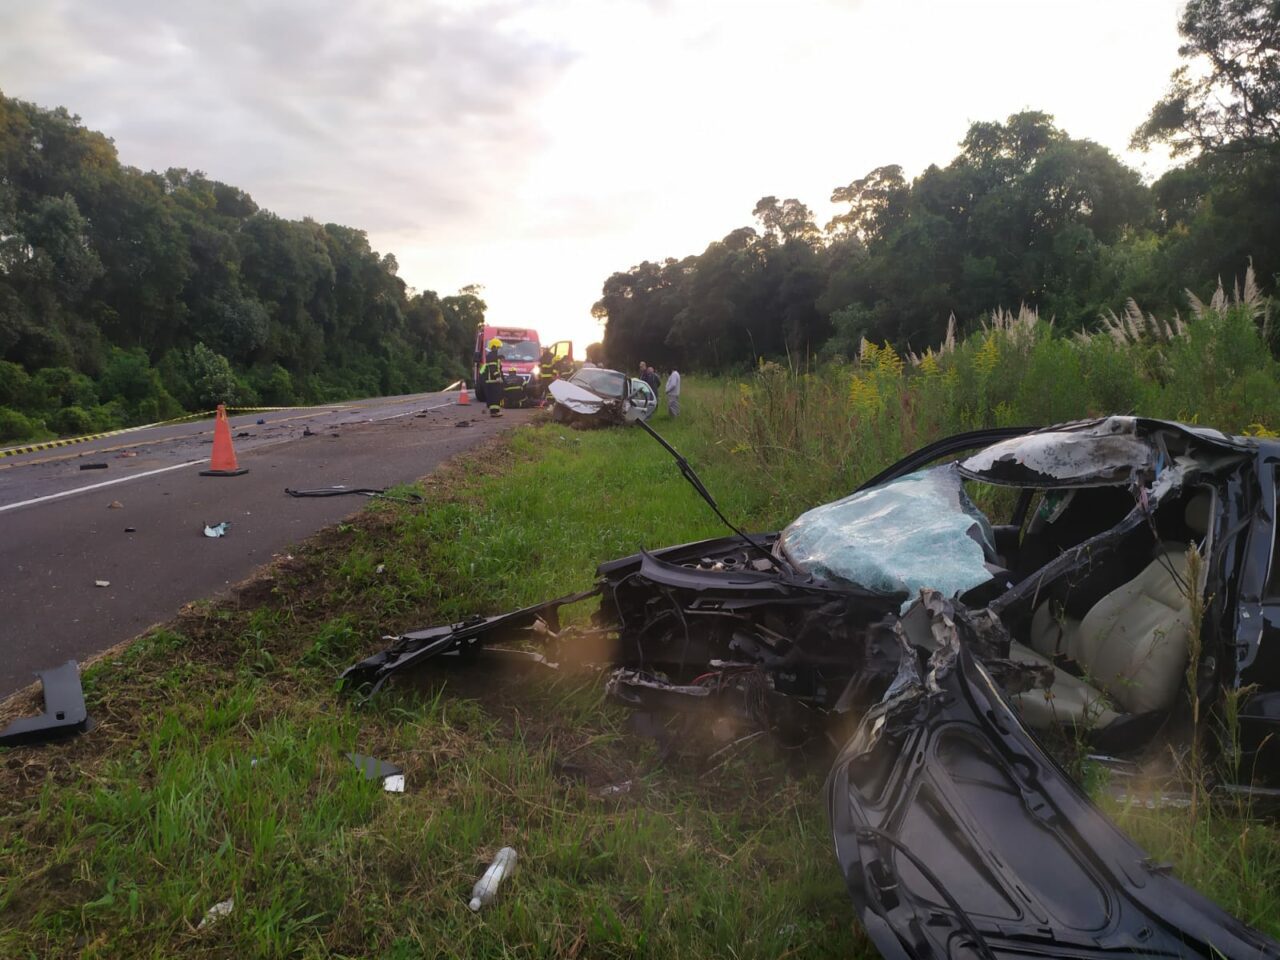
(1198, 513)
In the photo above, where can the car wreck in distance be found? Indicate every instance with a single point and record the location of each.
(1120, 582)
(599, 396)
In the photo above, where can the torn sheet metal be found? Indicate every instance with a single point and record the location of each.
(64, 710)
(578, 399)
(958, 836)
(918, 531)
(1106, 453)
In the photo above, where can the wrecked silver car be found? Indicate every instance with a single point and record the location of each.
(1109, 578)
(597, 395)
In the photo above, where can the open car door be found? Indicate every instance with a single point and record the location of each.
(960, 837)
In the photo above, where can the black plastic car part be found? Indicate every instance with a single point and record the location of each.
(958, 836)
(64, 710)
(415, 648)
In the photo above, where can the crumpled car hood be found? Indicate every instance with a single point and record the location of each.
(579, 399)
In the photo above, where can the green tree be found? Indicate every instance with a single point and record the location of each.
(1226, 96)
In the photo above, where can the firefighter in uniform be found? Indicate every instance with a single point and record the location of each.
(491, 373)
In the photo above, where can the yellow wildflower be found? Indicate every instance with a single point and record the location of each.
(863, 395)
(888, 361)
(988, 355)
(868, 352)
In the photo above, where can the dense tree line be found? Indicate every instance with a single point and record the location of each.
(129, 296)
(1024, 214)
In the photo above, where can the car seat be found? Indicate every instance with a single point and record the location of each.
(1131, 647)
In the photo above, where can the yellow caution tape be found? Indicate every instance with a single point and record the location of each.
(70, 441)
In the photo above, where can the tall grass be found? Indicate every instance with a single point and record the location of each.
(817, 431)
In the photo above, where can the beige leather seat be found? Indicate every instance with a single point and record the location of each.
(1131, 646)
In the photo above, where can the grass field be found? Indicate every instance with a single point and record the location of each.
(116, 844)
(218, 767)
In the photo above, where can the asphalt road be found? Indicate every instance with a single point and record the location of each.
(59, 534)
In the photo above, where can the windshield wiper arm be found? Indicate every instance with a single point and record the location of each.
(696, 482)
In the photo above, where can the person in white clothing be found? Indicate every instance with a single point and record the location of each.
(673, 393)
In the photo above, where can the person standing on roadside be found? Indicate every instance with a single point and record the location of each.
(649, 376)
(673, 393)
(492, 374)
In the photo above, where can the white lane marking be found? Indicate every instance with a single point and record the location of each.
(151, 473)
(99, 486)
(410, 413)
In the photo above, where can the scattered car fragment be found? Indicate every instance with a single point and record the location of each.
(1128, 572)
(594, 394)
(215, 913)
(379, 493)
(391, 775)
(64, 711)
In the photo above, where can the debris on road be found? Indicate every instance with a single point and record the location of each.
(307, 431)
(379, 493)
(242, 434)
(217, 912)
(391, 775)
(262, 421)
(486, 887)
(64, 710)
(463, 423)
(102, 583)
(115, 505)
(126, 454)
(93, 466)
(130, 529)
(217, 529)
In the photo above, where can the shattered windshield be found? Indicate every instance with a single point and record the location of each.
(921, 530)
(519, 351)
(607, 383)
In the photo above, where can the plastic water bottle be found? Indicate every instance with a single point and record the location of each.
(486, 887)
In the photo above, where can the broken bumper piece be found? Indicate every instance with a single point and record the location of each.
(64, 710)
(459, 639)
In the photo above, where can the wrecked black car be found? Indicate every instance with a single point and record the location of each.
(1110, 579)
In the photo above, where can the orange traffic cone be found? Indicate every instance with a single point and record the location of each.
(223, 462)
(463, 399)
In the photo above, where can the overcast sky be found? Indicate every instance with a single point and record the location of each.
(536, 147)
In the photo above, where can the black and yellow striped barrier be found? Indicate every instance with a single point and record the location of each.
(71, 441)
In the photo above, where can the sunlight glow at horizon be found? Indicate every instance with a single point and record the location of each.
(534, 148)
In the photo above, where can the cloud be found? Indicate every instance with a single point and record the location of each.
(373, 113)
(536, 146)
